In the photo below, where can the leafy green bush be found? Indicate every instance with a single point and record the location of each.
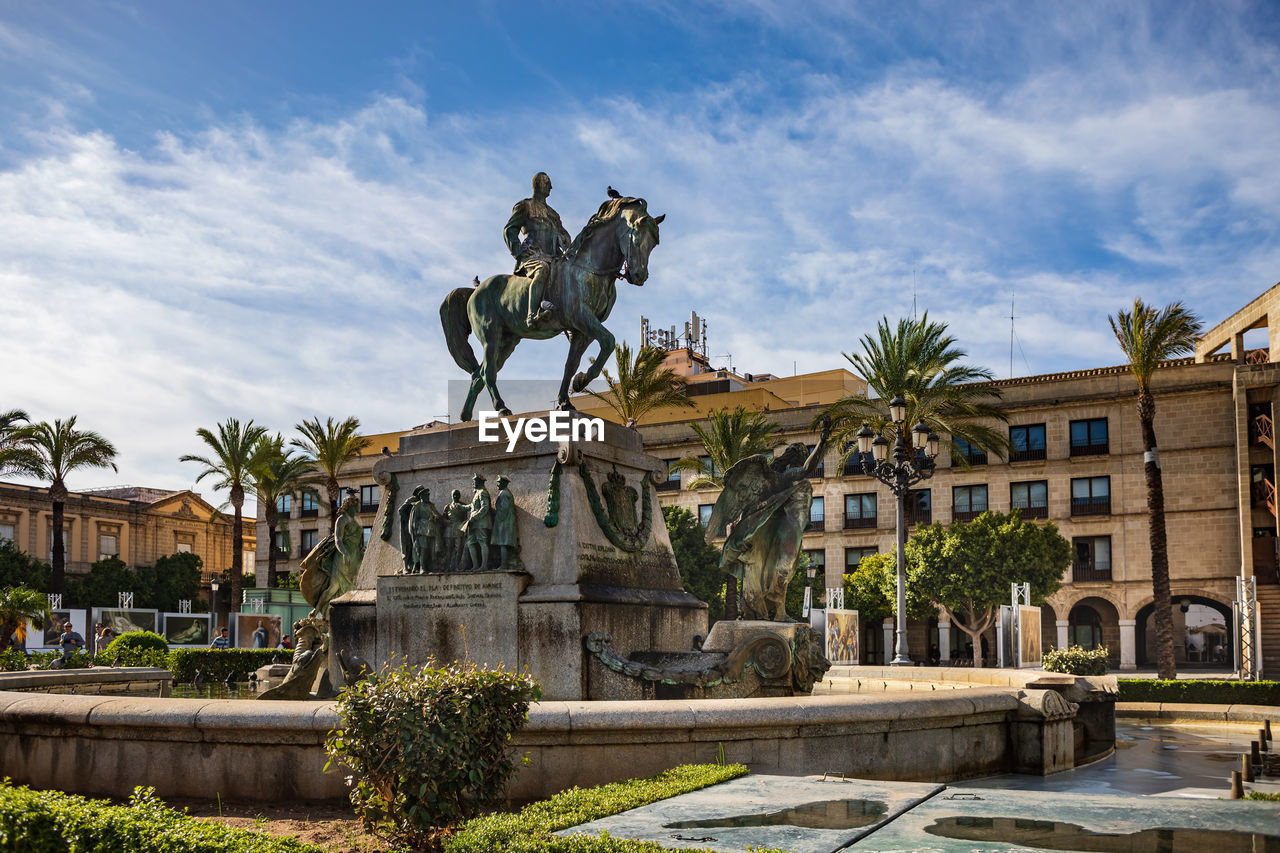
(1076, 661)
(531, 829)
(48, 821)
(217, 664)
(1200, 692)
(136, 648)
(428, 748)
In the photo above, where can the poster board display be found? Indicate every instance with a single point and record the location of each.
(1029, 641)
(842, 637)
(47, 637)
(257, 630)
(122, 621)
(188, 630)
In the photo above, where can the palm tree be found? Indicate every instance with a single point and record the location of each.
(1148, 337)
(237, 451)
(919, 362)
(328, 447)
(727, 437)
(15, 455)
(18, 605)
(643, 384)
(54, 451)
(280, 473)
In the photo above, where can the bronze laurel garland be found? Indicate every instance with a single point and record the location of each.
(629, 542)
(552, 518)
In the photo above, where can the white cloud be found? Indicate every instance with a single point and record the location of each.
(281, 273)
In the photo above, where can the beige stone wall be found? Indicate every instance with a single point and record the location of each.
(144, 530)
(1196, 427)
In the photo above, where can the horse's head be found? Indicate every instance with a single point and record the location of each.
(636, 241)
(620, 236)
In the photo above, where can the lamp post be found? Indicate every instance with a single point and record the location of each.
(213, 604)
(908, 466)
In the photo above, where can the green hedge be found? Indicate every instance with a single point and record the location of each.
(1200, 692)
(531, 829)
(217, 664)
(53, 822)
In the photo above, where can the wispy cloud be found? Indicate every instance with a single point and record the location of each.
(277, 272)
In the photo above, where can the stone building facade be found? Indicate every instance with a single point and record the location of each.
(1080, 464)
(138, 525)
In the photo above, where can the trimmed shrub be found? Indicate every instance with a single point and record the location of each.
(531, 829)
(49, 821)
(1200, 691)
(217, 664)
(428, 748)
(1076, 661)
(136, 648)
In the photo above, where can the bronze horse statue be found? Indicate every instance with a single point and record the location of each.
(614, 244)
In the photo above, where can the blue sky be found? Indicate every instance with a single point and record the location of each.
(254, 209)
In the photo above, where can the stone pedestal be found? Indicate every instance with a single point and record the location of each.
(1128, 644)
(594, 551)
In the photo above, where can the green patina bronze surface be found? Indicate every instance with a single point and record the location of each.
(557, 288)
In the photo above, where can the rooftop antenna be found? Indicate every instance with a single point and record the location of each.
(1012, 296)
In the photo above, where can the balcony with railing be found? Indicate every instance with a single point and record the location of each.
(1094, 571)
(669, 485)
(1031, 454)
(966, 515)
(1091, 506)
(860, 522)
(919, 516)
(1039, 510)
(1085, 448)
(815, 525)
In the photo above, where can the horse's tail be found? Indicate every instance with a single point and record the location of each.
(457, 327)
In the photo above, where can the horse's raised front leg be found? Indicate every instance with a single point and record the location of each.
(577, 346)
(595, 331)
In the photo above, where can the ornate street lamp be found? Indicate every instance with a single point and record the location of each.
(908, 466)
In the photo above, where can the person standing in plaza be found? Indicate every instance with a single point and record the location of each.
(105, 636)
(222, 641)
(70, 640)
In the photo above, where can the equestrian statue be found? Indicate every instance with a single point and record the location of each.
(557, 286)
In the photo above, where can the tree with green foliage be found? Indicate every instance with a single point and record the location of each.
(54, 450)
(921, 363)
(174, 578)
(280, 473)
(18, 568)
(698, 562)
(15, 456)
(18, 605)
(328, 447)
(1148, 337)
(727, 437)
(102, 584)
(237, 450)
(643, 384)
(967, 569)
(870, 588)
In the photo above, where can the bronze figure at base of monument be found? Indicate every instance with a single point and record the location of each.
(577, 562)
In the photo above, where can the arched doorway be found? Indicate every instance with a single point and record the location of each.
(1095, 623)
(1202, 634)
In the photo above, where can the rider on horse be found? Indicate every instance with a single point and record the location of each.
(545, 241)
